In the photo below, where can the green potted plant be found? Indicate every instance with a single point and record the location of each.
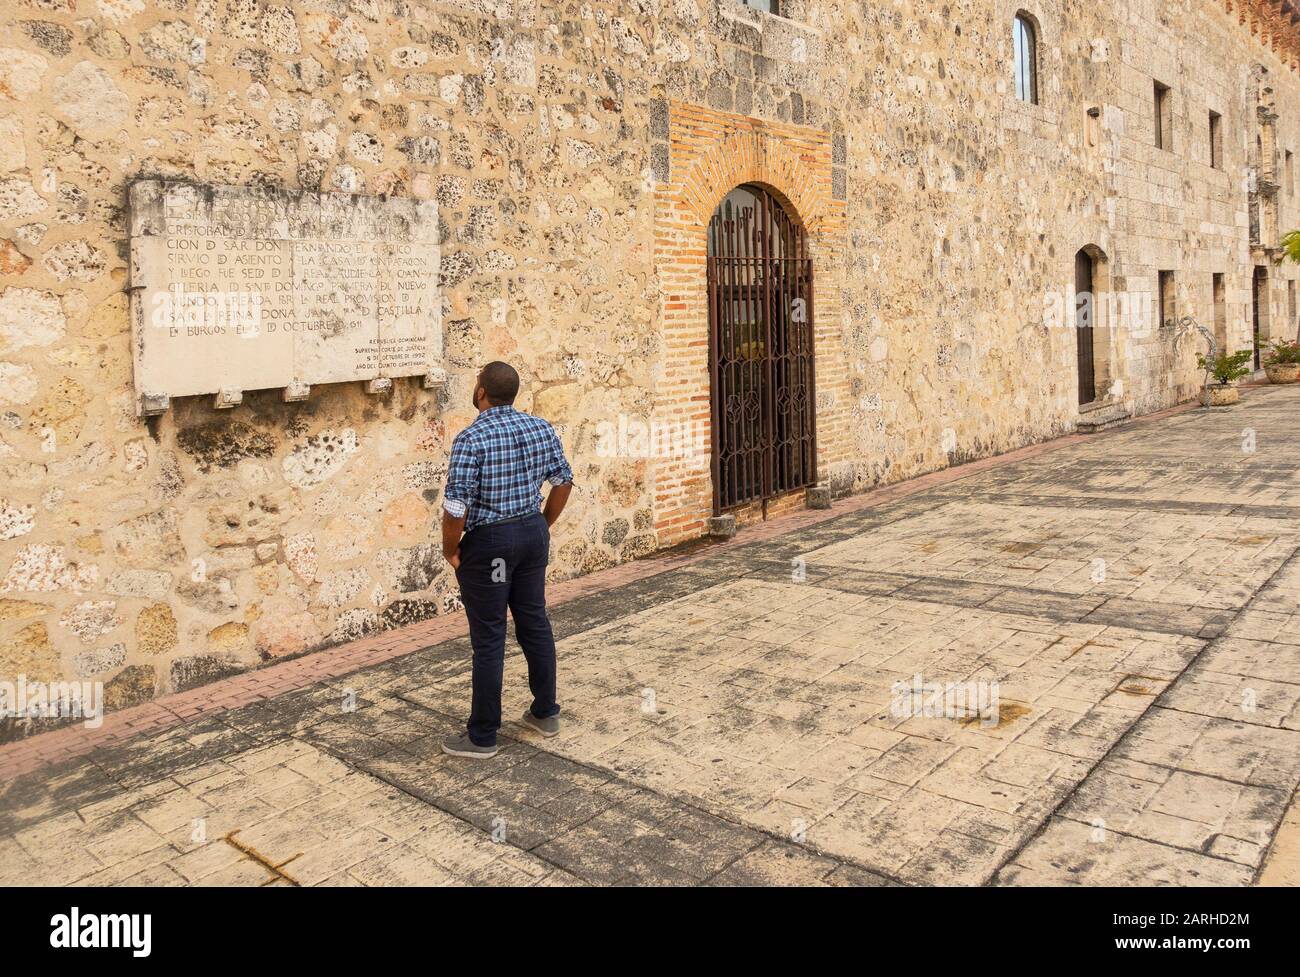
(1291, 245)
(1224, 370)
(1283, 362)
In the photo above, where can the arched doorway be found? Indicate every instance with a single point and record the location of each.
(760, 350)
(1085, 318)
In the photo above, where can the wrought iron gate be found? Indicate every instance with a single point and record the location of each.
(761, 350)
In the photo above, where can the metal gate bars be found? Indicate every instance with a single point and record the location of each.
(761, 350)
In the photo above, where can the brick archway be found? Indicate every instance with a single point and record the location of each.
(755, 156)
(710, 153)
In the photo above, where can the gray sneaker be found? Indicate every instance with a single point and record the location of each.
(459, 744)
(547, 727)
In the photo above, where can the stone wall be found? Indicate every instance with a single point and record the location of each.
(156, 554)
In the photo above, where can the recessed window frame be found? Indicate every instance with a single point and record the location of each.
(1163, 115)
(1219, 292)
(1166, 296)
(1216, 140)
(1024, 58)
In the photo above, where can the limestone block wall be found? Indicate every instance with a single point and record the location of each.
(157, 554)
(1174, 211)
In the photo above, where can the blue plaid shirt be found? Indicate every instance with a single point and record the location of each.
(498, 465)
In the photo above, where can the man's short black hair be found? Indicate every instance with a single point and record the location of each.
(500, 382)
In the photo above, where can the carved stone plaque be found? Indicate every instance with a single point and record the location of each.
(237, 288)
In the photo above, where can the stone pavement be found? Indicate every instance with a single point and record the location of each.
(1132, 599)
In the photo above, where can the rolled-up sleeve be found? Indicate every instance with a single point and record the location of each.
(464, 471)
(558, 471)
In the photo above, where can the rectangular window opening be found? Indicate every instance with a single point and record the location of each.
(1220, 312)
(1166, 298)
(1216, 140)
(1164, 121)
(1259, 312)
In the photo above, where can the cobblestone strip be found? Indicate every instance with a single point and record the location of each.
(1145, 505)
(1156, 616)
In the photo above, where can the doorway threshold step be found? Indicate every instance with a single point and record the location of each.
(1091, 421)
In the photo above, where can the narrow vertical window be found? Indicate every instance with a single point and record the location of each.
(1220, 312)
(1216, 140)
(1026, 59)
(1163, 117)
(1259, 311)
(1290, 174)
(1166, 298)
(1085, 312)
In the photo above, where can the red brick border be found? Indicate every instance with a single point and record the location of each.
(712, 153)
(173, 710)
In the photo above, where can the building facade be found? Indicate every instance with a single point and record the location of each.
(734, 252)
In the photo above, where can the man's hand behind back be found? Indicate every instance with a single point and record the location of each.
(452, 527)
(555, 501)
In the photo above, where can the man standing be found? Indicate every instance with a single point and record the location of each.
(493, 495)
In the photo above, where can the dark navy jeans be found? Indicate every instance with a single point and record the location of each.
(503, 565)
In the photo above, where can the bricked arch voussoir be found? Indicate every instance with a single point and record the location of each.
(751, 157)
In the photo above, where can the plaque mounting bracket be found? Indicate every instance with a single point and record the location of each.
(296, 391)
(151, 405)
(228, 398)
